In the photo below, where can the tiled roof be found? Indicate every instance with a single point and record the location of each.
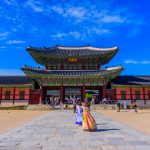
(73, 72)
(132, 80)
(72, 51)
(9, 80)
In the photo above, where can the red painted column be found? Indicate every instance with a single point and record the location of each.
(61, 93)
(1, 95)
(144, 95)
(131, 94)
(41, 95)
(83, 92)
(14, 92)
(104, 89)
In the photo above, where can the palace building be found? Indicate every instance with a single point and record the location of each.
(73, 72)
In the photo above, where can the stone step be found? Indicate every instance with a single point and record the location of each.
(103, 107)
(38, 107)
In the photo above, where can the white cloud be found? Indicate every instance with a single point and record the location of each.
(145, 62)
(73, 34)
(10, 72)
(35, 5)
(59, 35)
(10, 2)
(14, 42)
(131, 62)
(4, 35)
(113, 19)
(58, 9)
(98, 31)
(78, 12)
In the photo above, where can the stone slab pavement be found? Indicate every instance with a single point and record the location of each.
(56, 131)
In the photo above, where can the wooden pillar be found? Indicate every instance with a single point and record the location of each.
(41, 95)
(131, 94)
(83, 92)
(144, 96)
(1, 94)
(14, 92)
(104, 89)
(61, 93)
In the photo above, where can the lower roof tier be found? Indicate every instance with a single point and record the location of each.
(76, 76)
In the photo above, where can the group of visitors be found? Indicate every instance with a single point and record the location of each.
(53, 101)
(107, 100)
(133, 105)
(83, 116)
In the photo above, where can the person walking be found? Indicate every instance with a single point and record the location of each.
(118, 106)
(79, 113)
(74, 105)
(124, 104)
(52, 102)
(89, 123)
(134, 106)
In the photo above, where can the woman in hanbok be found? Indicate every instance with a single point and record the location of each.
(89, 123)
(79, 112)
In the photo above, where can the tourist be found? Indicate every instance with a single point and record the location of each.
(108, 100)
(93, 100)
(60, 105)
(104, 100)
(124, 104)
(55, 101)
(134, 106)
(89, 123)
(46, 100)
(74, 105)
(52, 103)
(118, 106)
(79, 113)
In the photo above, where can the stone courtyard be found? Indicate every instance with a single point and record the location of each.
(56, 131)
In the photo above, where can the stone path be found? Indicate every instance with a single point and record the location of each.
(57, 131)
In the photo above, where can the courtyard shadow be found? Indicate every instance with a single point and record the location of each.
(105, 130)
(101, 124)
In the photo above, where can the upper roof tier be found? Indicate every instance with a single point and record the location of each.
(44, 55)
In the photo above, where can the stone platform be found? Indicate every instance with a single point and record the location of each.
(56, 131)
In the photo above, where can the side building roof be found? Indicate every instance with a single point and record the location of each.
(131, 80)
(15, 81)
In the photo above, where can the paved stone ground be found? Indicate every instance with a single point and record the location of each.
(57, 131)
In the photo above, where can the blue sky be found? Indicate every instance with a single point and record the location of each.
(99, 23)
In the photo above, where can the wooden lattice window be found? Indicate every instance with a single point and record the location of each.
(123, 94)
(22, 95)
(137, 94)
(7, 95)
